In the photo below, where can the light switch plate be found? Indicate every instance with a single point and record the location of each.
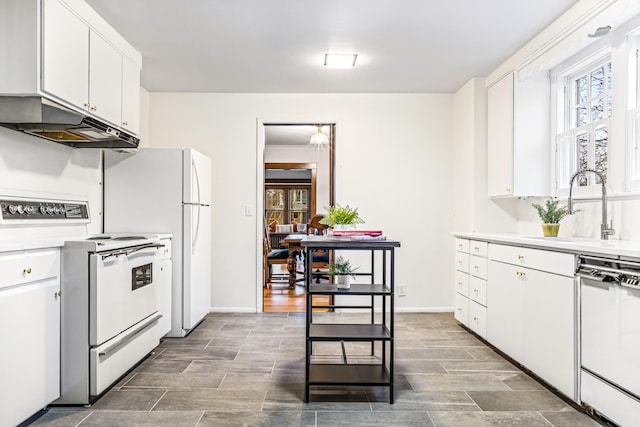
(248, 210)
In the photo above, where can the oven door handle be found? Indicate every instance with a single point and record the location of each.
(129, 336)
(141, 247)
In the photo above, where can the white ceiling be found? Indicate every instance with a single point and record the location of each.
(278, 46)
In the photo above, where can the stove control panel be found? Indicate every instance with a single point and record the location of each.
(31, 210)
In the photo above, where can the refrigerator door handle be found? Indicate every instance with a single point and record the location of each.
(196, 180)
(194, 233)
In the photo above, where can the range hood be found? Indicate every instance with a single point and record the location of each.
(46, 119)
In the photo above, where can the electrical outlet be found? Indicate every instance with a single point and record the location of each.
(402, 290)
(248, 210)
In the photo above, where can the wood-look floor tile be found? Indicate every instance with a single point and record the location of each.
(142, 419)
(456, 382)
(128, 400)
(487, 419)
(182, 380)
(261, 419)
(211, 400)
(536, 400)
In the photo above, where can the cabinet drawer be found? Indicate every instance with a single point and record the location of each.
(462, 262)
(478, 266)
(461, 312)
(478, 290)
(462, 245)
(21, 267)
(478, 248)
(462, 283)
(478, 318)
(550, 261)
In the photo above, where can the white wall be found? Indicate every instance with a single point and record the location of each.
(394, 158)
(473, 210)
(32, 164)
(305, 154)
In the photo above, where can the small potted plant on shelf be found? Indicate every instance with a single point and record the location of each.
(340, 217)
(343, 271)
(551, 214)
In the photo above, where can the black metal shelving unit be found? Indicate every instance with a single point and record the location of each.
(381, 287)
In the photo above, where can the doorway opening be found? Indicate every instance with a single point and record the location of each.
(298, 184)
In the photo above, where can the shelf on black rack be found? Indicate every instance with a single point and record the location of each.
(327, 374)
(355, 289)
(348, 332)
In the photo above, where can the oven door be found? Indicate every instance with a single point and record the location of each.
(123, 290)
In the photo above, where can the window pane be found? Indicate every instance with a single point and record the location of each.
(597, 109)
(601, 149)
(581, 116)
(581, 90)
(298, 199)
(275, 199)
(582, 157)
(274, 216)
(609, 77)
(597, 82)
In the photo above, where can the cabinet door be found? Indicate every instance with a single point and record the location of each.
(505, 295)
(29, 349)
(500, 138)
(105, 80)
(478, 318)
(65, 54)
(130, 96)
(461, 309)
(549, 328)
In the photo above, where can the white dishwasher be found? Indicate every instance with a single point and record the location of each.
(29, 332)
(610, 338)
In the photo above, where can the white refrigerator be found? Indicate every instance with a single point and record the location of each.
(167, 190)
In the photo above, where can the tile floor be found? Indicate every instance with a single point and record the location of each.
(248, 370)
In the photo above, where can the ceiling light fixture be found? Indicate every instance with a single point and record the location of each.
(340, 60)
(319, 138)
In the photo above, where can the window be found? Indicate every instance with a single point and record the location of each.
(584, 121)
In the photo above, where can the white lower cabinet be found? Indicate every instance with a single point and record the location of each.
(461, 312)
(30, 333)
(531, 312)
(471, 285)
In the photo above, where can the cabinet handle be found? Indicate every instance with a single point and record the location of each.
(521, 258)
(475, 318)
(57, 294)
(475, 291)
(87, 105)
(94, 108)
(459, 309)
(508, 189)
(476, 268)
(459, 283)
(477, 249)
(125, 123)
(460, 246)
(459, 262)
(26, 271)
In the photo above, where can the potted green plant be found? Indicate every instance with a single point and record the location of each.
(340, 216)
(343, 271)
(551, 214)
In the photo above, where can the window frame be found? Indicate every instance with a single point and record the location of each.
(565, 124)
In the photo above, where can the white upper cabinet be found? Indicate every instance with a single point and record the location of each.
(105, 80)
(518, 144)
(85, 64)
(65, 53)
(130, 96)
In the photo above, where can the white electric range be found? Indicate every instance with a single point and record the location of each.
(115, 292)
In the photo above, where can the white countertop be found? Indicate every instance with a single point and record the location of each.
(30, 244)
(625, 248)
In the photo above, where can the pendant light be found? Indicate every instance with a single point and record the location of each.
(319, 138)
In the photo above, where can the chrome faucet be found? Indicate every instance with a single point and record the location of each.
(605, 230)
